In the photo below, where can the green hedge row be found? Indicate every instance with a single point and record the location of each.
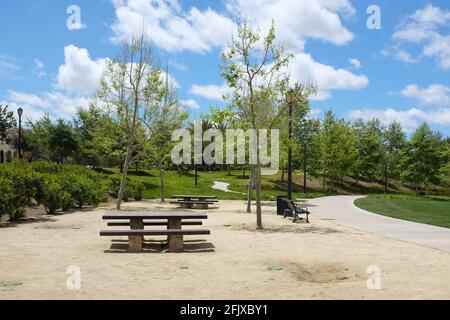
(56, 187)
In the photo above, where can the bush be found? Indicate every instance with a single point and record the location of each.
(50, 194)
(7, 203)
(134, 189)
(19, 179)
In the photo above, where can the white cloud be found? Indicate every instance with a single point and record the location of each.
(297, 20)
(399, 55)
(39, 64)
(304, 69)
(10, 67)
(55, 103)
(190, 103)
(174, 29)
(210, 92)
(170, 28)
(39, 68)
(435, 94)
(79, 74)
(409, 119)
(424, 27)
(355, 63)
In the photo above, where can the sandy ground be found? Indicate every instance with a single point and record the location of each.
(285, 261)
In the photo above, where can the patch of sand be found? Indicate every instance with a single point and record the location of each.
(285, 261)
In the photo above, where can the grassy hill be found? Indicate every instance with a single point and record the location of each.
(177, 183)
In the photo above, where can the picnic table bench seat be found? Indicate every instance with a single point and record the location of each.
(139, 219)
(191, 203)
(153, 223)
(166, 232)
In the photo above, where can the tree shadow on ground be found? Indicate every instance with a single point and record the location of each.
(294, 228)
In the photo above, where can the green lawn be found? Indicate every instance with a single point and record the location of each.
(176, 183)
(434, 210)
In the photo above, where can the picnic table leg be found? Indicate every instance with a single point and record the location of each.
(202, 206)
(135, 242)
(175, 242)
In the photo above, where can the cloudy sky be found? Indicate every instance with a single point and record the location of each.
(399, 72)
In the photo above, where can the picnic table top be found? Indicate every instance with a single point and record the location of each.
(118, 215)
(195, 197)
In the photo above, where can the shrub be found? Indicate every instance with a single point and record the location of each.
(82, 189)
(134, 189)
(50, 194)
(7, 199)
(19, 178)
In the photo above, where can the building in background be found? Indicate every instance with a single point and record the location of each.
(7, 150)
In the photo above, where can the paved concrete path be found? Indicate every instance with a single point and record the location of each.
(223, 186)
(342, 210)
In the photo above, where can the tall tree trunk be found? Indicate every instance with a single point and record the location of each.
(259, 223)
(282, 175)
(161, 183)
(123, 180)
(249, 192)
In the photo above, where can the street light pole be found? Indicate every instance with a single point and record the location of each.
(290, 102)
(20, 112)
(305, 163)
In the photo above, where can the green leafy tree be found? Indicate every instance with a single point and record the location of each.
(420, 158)
(163, 115)
(394, 142)
(254, 69)
(62, 141)
(122, 90)
(37, 138)
(7, 121)
(370, 147)
(337, 150)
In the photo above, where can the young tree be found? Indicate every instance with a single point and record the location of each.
(370, 147)
(7, 121)
(36, 139)
(123, 90)
(163, 115)
(394, 142)
(337, 148)
(420, 158)
(62, 141)
(254, 69)
(444, 171)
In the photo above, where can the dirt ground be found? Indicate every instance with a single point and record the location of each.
(285, 261)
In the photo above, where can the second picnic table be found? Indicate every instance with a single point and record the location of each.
(189, 201)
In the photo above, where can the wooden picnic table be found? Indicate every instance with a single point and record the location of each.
(174, 230)
(189, 201)
(190, 197)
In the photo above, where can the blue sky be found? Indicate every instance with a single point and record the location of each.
(399, 72)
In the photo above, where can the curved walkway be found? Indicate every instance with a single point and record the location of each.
(223, 186)
(342, 210)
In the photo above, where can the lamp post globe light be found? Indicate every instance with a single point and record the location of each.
(20, 113)
(290, 101)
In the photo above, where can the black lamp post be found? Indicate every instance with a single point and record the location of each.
(20, 113)
(290, 101)
(305, 163)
